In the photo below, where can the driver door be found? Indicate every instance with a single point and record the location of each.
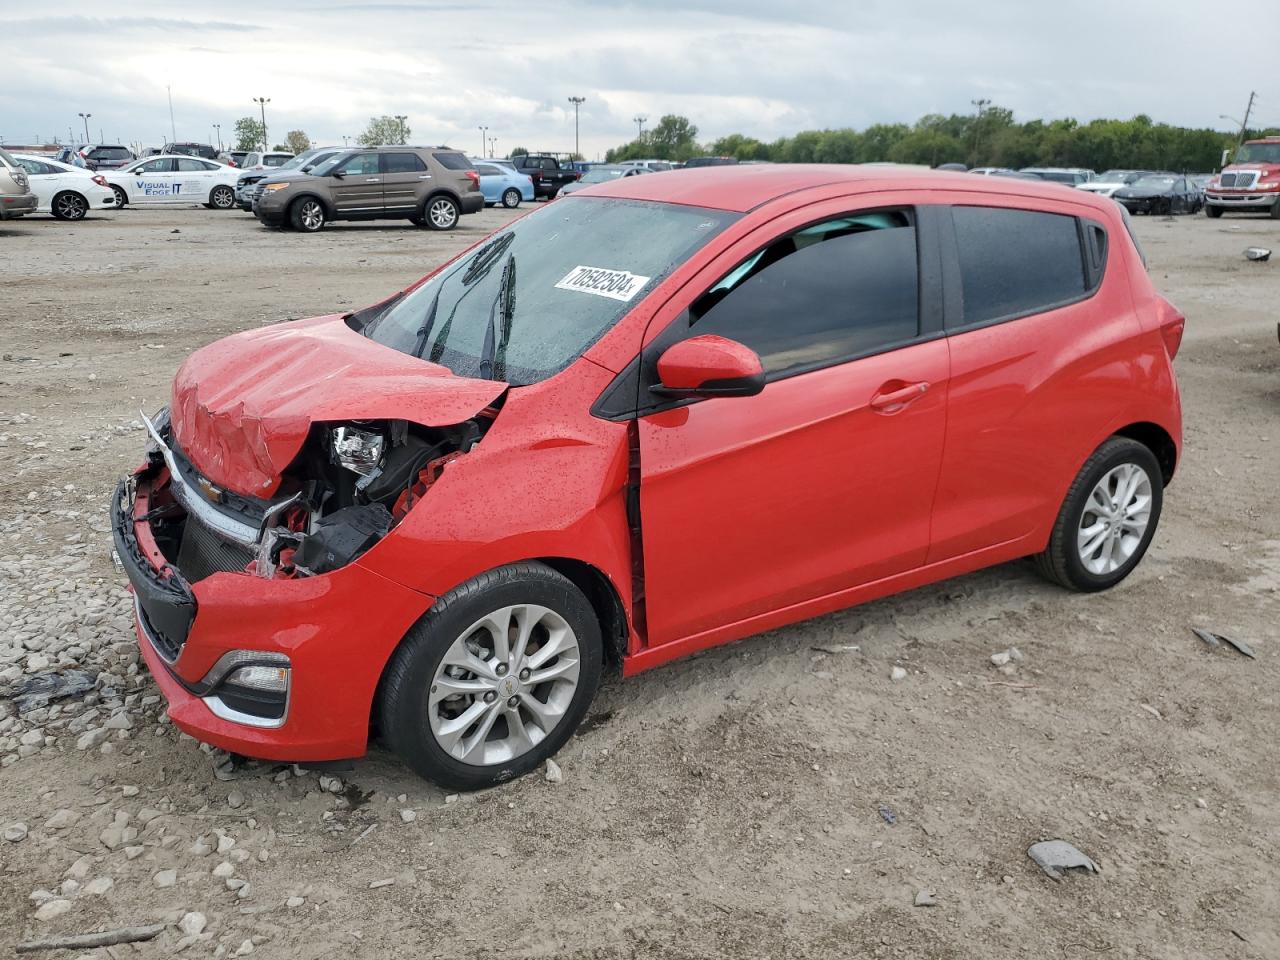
(152, 181)
(826, 479)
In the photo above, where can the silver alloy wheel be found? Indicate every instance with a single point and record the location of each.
(511, 198)
(121, 197)
(1115, 519)
(504, 684)
(224, 198)
(71, 206)
(312, 215)
(443, 213)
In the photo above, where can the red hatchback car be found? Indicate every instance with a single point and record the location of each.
(661, 414)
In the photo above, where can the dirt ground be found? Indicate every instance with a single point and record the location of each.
(724, 806)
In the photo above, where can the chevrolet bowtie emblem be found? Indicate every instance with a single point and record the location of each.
(211, 493)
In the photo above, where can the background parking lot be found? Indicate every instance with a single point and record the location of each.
(725, 805)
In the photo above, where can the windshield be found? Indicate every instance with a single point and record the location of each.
(531, 299)
(1060, 176)
(1118, 176)
(323, 168)
(602, 174)
(276, 159)
(1259, 153)
(1154, 183)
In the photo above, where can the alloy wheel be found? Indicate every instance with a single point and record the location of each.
(224, 198)
(504, 685)
(442, 213)
(1115, 519)
(511, 198)
(70, 206)
(312, 215)
(121, 197)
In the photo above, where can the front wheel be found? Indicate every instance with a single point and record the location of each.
(511, 198)
(441, 213)
(122, 198)
(1275, 210)
(307, 215)
(222, 198)
(69, 206)
(1212, 212)
(494, 679)
(1107, 519)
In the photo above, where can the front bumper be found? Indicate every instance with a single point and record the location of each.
(1259, 201)
(337, 631)
(17, 206)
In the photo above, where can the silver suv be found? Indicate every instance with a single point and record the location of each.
(16, 198)
(429, 186)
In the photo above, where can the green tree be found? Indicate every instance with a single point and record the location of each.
(673, 138)
(297, 141)
(250, 134)
(384, 130)
(518, 152)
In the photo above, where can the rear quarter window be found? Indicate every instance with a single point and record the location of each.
(452, 161)
(1016, 262)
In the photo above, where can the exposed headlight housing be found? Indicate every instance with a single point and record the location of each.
(359, 451)
(274, 186)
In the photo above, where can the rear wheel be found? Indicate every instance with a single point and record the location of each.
(441, 213)
(307, 215)
(1212, 212)
(69, 206)
(1107, 519)
(511, 198)
(122, 198)
(494, 679)
(1275, 210)
(222, 197)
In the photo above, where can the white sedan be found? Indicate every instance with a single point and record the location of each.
(67, 192)
(174, 179)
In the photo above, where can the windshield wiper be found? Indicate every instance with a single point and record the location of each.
(424, 331)
(485, 258)
(493, 359)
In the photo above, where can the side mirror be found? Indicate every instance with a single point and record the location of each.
(340, 174)
(709, 366)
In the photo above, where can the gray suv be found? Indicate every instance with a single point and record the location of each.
(16, 198)
(429, 186)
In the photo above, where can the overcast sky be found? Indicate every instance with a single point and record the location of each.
(760, 67)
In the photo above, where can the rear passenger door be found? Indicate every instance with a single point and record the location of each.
(195, 179)
(1038, 365)
(402, 176)
(358, 191)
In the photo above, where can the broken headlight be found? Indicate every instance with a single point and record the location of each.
(360, 451)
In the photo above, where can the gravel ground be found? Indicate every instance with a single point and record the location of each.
(726, 805)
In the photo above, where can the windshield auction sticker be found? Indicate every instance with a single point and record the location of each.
(614, 284)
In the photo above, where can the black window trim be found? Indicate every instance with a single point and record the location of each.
(385, 156)
(627, 397)
(1093, 274)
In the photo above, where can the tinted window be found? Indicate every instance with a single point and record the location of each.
(1015, 262)
(452, 161)
(361, 163)
(835, 290)
(402, 163)
(191, 166)
(485, 170)
(276, 159)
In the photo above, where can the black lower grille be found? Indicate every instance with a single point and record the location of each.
(203, 552)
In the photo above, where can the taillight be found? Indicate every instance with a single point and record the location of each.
(100, 180)
(1172, 324)
(474, 178)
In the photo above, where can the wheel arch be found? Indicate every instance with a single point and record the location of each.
(1156, 439)
(329, 212)
(443, 192)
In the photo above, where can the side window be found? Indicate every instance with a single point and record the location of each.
(164, 165)
(550, 164)
(361, 163)
(830, 292)
(186, 165)
(31, 166)
(402, 163)
(487, 171)
(452, 161)
(1016, 262)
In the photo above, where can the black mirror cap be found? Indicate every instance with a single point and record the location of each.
(729, 387)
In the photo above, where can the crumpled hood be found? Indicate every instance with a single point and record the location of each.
(243, 406)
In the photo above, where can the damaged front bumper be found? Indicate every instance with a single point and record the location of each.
(280, 669)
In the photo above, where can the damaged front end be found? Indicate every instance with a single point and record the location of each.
(174, 529)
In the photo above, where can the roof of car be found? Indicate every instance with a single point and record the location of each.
(741, 188)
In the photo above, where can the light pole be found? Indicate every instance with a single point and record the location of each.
(345, 139)
(484, 138)
(577, 102)
(262, 102)
(85, 117)
(218, 130)
(400, 119)
(982, 105)
(493, 143)
(639, 120)
(173, 127)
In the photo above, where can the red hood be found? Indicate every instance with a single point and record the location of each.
(243, 406)
(1249, 167)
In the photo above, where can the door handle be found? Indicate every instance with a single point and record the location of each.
(897, 396)
(373, 180)
(424, 176)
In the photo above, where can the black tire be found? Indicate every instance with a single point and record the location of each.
(222, 197)
(1275, 210)
(440, 213)
(69, 205)
(307, 215)
(122, 198)
(511, 198)
(1212, 212)
(406, 682)
(1060, 561)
